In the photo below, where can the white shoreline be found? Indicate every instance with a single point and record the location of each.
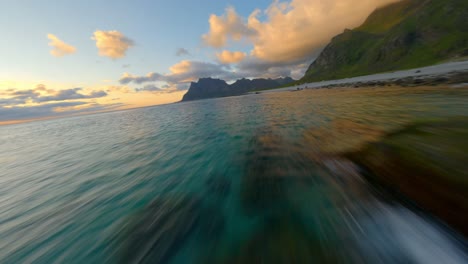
(434, 70)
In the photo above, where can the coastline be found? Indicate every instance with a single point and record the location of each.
(452, 73)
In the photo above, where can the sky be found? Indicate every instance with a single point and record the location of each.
(64, 57)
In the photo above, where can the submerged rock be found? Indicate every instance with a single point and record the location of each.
(218, 185)
(160, 231)
(340, 136)
(283, 240)
(272, 166)
(426, 162)
(263, 182)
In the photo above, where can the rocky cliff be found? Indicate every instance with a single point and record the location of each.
(211, 88)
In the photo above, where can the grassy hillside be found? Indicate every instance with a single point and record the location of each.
(403, 35)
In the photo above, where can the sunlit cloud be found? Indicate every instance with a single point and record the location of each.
(118, 88)
(290, 31)
(229, 57)
(59, 48)
(112, 44)
(182, 72)
(225, 27)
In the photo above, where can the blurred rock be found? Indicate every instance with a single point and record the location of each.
(157, 233)
(284, 240)
(342, 135)
(218, 185)
(272, 166)
(426, 162)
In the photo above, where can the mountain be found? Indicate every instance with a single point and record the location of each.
(211, 88)
(402, 35)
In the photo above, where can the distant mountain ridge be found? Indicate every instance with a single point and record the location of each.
(402, 35)
(212, 88)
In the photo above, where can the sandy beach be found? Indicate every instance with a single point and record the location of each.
(454, 73)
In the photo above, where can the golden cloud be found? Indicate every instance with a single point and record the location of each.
(228, 57)
(181, 67)
(225, 26)
(292, 30)
(118, 88)
(59, 48)
(112, 44)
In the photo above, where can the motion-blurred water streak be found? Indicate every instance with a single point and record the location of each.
(230, 180)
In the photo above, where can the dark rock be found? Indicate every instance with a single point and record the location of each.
(208, 88)
(440, 80)
(212, 88)
(427, 163)
(458, 77)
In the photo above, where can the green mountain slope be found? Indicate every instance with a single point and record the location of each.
(403, 35)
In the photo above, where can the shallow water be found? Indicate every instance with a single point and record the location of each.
(230, 180)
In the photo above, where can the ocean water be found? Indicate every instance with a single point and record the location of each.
(248, 179)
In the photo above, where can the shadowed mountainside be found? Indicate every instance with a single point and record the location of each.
(212, 88)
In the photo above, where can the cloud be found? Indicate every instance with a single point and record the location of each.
(43, 88)
(112, 44)
(52, 110)
(167, 88)
(189, 71)
(228, 57)
(150, 77)
(10, 101)
(59, 48)
(182, 52)
(229, 25)
(118, 88)
(292, 31)
(149, 88)
(252, 67)
(42, 94)
(69, 94)
(182, 72)
(18, 113)
(177, 87)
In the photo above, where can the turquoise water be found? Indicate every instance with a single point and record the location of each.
(235, 179)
